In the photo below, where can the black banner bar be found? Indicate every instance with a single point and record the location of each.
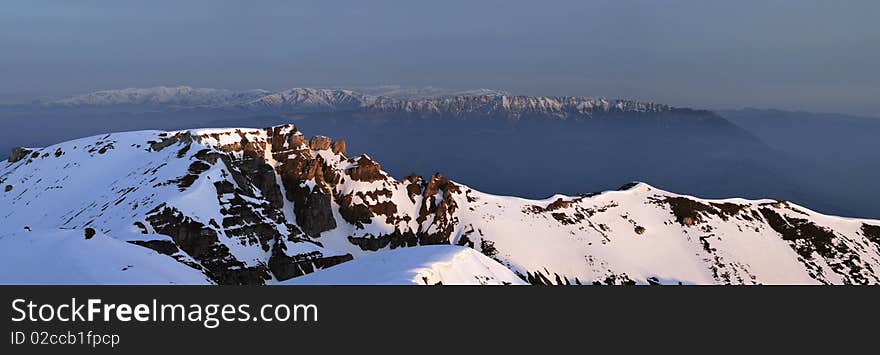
(334, 319)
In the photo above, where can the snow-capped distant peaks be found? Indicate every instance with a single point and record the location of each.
(428, 92)
(427, 101)
(515, 106)
(161, 95)
(309, 99)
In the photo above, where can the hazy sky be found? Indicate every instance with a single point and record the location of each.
(798, 54)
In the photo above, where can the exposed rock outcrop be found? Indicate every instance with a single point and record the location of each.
(203, 245)
(338, 147)
(366, 170)
(18, 153)
(319, 143)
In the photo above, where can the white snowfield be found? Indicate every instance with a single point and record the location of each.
(266, 206)
(424, 265)
(64, 256)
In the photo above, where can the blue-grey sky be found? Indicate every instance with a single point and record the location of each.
(798, 54)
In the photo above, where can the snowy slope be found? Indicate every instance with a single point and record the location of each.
(65, 256)
(644, 235)
(255, 206)
(132, 183)
(426, 265)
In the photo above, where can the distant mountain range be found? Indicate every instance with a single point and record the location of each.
(181, 96)
(481, 102)
(318, 98)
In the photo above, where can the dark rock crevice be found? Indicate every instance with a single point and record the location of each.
(284, 266)
(809, 240)
(203, 245)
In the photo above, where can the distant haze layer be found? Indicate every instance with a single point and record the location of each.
(797, 54)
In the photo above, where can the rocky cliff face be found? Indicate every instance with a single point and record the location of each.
(254, 206)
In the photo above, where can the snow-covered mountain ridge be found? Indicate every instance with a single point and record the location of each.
(425, 102)
(180, 96)
(255, 206)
